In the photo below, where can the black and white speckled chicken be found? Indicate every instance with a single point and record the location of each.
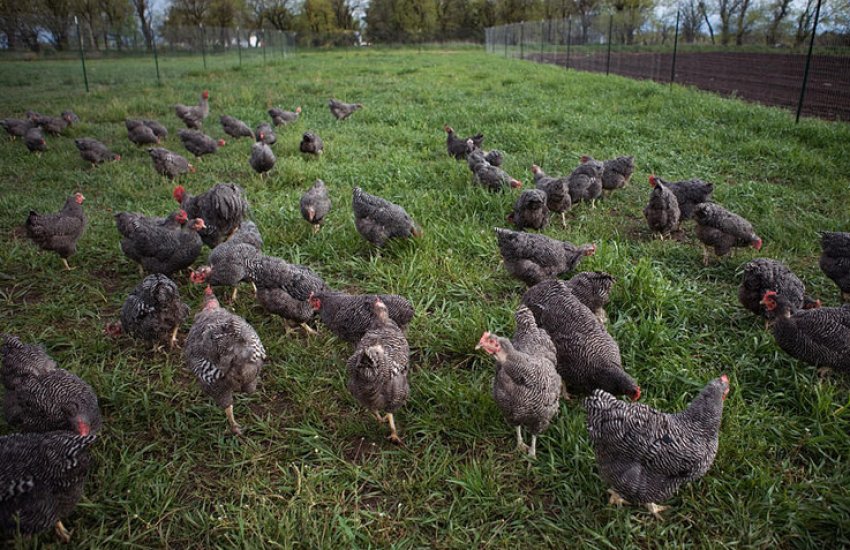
(193, 115)
(588, 357)
(530, 210)
(262, 159)
(130, 222)
(222, 207)
(70, 117)
(835, 260)
(42, 475)
(377, 370)
(662, 212)
(532, 257)
(59, 232)
(34, 140)
(557, 192)
(161, 249)
(168, 163)
(645, 455)
(593, 289)
(229, 264)
(198, 143)
(15, 127)
(458, 147)
(51, 124)
(722, 230)
(490, 177)
(689, 193)
(585, 182)
(348, 316)
(235, 128)
(225, 354)
(617, 172)
(41, 397)
(311, 144)
(342, 110)
(315, 204)
(282, 118)
(265, 133)
(153, 311)
(95, 152)
(284, 289)
(763, 274)
(526, 385)
(139, 133)
(378, 220)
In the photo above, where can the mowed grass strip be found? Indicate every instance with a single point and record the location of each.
(314, 469)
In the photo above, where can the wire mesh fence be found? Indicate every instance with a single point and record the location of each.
(629, 45)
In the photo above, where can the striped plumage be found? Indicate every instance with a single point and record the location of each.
(723, 230)
(168, 163)
(593, 289)
(94, 151)
(458, 147)
(342, 110)
(265, 133)
(645, 455)
(262, 158)
(616, 172)
(42, 477)
(835, 260)
(198, 143)
(531, 257)
(281, 117)
(378, 220)
(34, 140)
(59, 232)
(234, 127)
(585, 182)
(763, 274)
(222, 207)
(315, 204)
(311, 143)
(557, 191)
(193, 115)
(40, 396)
(530, 210)
(16, 127)
(153, 311)
(349, 316)
(662, 212)
(689, 193)
(588, 357)
(284, 288)
(160, 249)
(489, 176)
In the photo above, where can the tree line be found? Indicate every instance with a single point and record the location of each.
(117, 24)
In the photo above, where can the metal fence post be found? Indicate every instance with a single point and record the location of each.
(264, 46)
(610, 29)
(808, 63)
(542, 23)
(203, 45)
(505, 27)
(522, 39)
(675, 49)
(569, 40)
(239, 46)
(156, 60)
(82, 54)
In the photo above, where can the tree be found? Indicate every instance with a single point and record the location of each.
(55, 16)
(690, 21)
(777, 12)
(804, 22)
(143, 12)
(280, 14)
(743, 22)
(704, 12)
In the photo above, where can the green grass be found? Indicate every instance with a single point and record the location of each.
(314, 469)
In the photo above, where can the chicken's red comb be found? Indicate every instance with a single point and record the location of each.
(221, 143)
(636, 394)
(205, 94)
(208, 291)
(448, 129)
(769, 294)
(724, 378)
(584, 158)
(298, 109)
(653, 180)
(757, 244)
(534, 168)
(178, 193)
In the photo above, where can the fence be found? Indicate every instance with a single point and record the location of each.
(812, 78)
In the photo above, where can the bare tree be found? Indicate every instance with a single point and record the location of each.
(743, 23)
(704, 13)
(143, 11)
(778, 11)
(690, 21)
(56, 18)
(804, 22)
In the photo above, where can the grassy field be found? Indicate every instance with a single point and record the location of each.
(314, 469)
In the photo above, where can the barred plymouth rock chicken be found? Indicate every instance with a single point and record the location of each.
(315, 204)
(763, 274)
(153, 311)
(235, 128)
(377, 370)
(311, 144)
(230, 263)
(95, 152)
(50, 124)
(225, 353)
(198, 143)
(284, 289)
(70, 117)
(158, 129)
(662, 213)
(139, 133)
(193, 116)
(557, 192)
(532, 258)
(282, 118)
(689, 193)
(645, 455)
(59, 232)
(17, 128)
(34, 140)
(617, 172)
(593, 289)
(722, 230)
(343, 110)
(348, 316)
(161, 249)
(820, 337)
(130, 222)
(265, 133)
(588, 357)
(378, 220)
(459, 148)
(490, 177)
(585, 182)
(526, 385)
(41, 397)
(530, 210)
(168, 163)
(222, 207)
(835, 260)
(42, 475)
(262, 158)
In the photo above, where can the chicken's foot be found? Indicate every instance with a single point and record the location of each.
(393, 432)
(564, 219)
(532, 452)
(704, 256)
(63, 534)
(67, 267)
(564, 393)
(316, 228)
(656, 509)
(173, 341)
(520, 444)
(235, 429)
(378, 417)
(615, 498)
(233, 295)
(309, 330)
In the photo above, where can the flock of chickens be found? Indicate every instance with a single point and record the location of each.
(560, 344)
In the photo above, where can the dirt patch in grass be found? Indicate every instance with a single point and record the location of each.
(358, 450)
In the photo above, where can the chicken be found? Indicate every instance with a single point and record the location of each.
(763, 274)
(377, 370)
(723, 230)
(311, 143)
(494, 157)
(532, 258)
(42, 475)
(16, 127)
(585, 182)
(229, 264)
(59, 232)
(315, 204)
(162, 250)
(41, 397)
(265, 133)
(662, 213)
(153, 311)
(282, 118)
(34, 140)
(557, 192)
(378, 220)
(249, 233)
(588, 357)
(222, 207)
(526, 385)
(225, 354)
(262, 158)
(617, 172)
(193, 116)
(235, 128)
(158, 129)
(820, 336)
(284, 289)
(169, 164)
(459, 148)
(139, 133)
(835, 260)
(645, 455)
(52, 125)
(94, 151)
(198, 143)
(491, 177)
(530, 210)
(348, 316)
(343, 110)
(129, 222)
(689, 193)
(593, 290)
